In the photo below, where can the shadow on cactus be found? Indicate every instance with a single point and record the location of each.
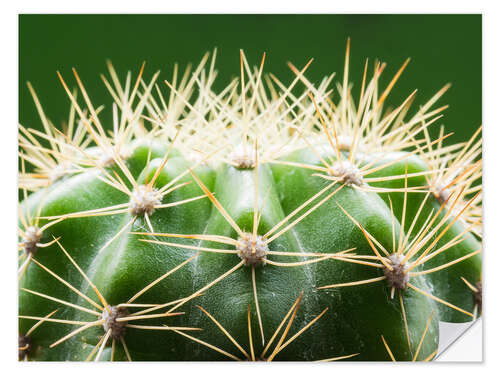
(221, 213)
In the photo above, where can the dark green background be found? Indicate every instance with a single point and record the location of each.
(443, 48)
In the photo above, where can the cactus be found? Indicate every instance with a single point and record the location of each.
(260, 222)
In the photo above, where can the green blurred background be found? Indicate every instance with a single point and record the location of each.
(443, 48)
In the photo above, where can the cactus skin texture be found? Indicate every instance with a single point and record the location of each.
(323, 236)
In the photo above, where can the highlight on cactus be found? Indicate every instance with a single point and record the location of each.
(266, 221)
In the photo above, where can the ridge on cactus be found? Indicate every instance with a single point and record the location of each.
(266, 221)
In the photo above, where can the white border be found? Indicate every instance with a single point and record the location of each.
(254, 6)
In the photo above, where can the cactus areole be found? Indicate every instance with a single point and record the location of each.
(267, 221)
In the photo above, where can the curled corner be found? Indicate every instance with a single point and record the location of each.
(460, 342)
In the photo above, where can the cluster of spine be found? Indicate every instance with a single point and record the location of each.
(161, 155)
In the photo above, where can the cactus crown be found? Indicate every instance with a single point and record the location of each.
(173, 213)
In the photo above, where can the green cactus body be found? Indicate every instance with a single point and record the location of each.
(159, 257)
(445, 284)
